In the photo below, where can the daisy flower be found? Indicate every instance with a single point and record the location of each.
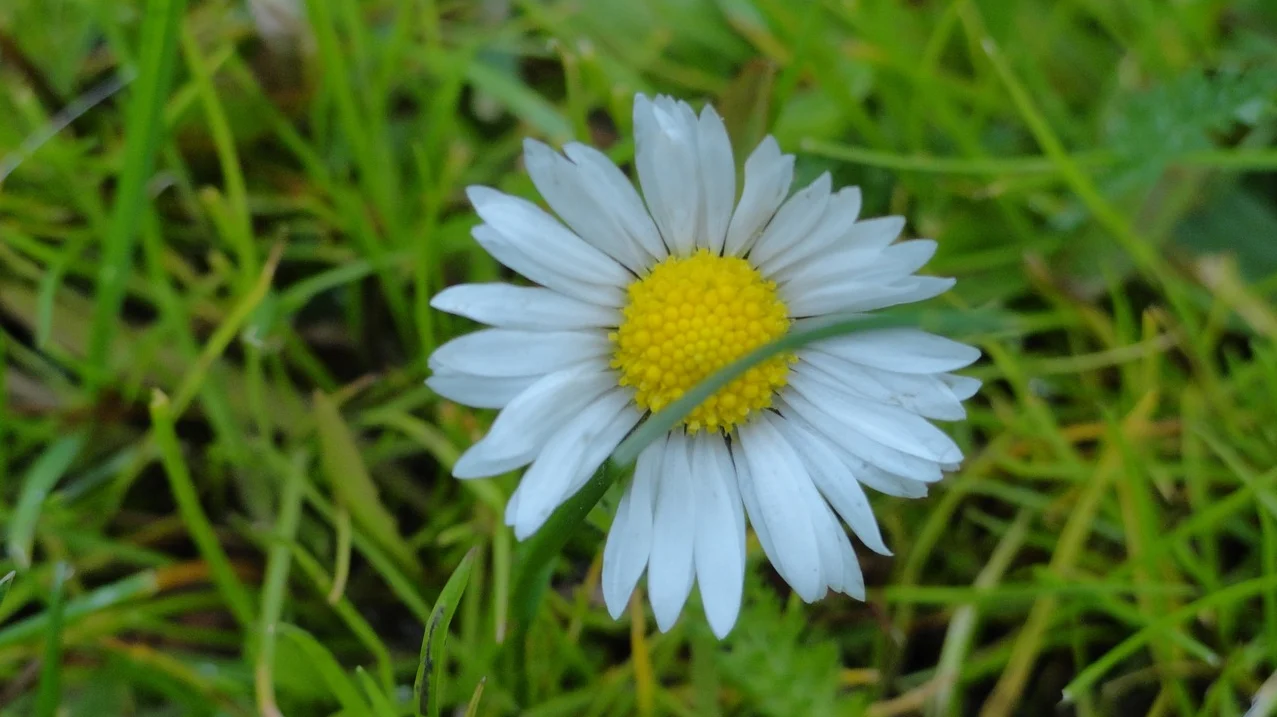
(639, 298)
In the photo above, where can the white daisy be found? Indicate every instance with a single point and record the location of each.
(640, 298)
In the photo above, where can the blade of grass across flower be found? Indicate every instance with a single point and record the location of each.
(44, 474)
(661, 422)
(532, 567)
(427, 688)
(48, 693)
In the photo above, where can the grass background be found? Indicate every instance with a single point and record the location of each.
(224, 489)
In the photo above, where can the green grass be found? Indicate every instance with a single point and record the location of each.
(224, 489)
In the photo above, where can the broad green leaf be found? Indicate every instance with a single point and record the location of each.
(334, 677)
(351, 484)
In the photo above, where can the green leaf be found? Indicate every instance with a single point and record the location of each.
(334, 677)
(427, 688)
(381, 705)
(1151, 128)
(351, 484)
(39, 481)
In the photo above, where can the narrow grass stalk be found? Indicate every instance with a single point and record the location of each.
(49, 689)
(1010, 686)
(225, 333)
(427, 688)
(239, 233)
(274, 585)
(188, 505)
(962, 626)
(143, 130)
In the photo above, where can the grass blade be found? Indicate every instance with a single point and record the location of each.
(44, 474)
(48, 693)
(160, 23)
(334, 677)
(6, 582)
(188, 506)
(472, 709)
(144, 584)
(274, 586)
(427, 689)
(381, 706)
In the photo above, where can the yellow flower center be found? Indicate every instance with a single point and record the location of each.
(690, 317)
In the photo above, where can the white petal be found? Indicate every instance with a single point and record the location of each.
(829, 539)
(666, 156)
(767, 177)
(718, 179)
(545, 269)
(793, 222)
(859, 246)
(728, 467)
(824, 525)
(511, 352)
(776, 472)
(835, 224)
(570, 457)
(901, 350)
(963, 387)
(670, 570)
(528, 225)
(922, 394)
(902, 258)
(860, 279)
(629, 542)
(523, 307)
(859, 454)
(850, 295)
(568, 192)
(838, 485)
(614, 191)
(478, 391)
(522, 428)
(853, 581)
(609, 437)
(720, 548)
(891, 426)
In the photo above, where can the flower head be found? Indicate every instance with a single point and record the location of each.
(641, 298)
